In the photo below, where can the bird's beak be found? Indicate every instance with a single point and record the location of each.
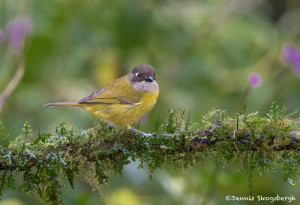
(149, 79)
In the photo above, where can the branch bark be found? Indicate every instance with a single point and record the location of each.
(195, 142)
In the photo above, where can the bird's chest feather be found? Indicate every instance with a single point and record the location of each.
(148, 101)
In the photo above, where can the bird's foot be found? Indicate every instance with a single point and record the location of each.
(140, 132)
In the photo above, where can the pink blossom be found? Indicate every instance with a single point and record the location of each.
(289, 53)
(17, 30)
(292, 55)
(255, 80)
(1, 36)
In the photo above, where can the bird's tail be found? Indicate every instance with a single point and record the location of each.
(61, 104)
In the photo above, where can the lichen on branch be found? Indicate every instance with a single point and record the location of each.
(250, 141)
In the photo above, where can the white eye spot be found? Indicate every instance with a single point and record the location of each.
(138, 74)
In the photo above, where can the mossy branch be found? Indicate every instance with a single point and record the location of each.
(249, 141)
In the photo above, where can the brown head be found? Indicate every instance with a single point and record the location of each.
(143, 79)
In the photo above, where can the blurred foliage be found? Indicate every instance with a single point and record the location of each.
(203, 52)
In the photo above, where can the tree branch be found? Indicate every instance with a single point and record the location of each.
(195, 142)
(249, 141)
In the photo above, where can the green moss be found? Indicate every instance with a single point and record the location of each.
(254, 143)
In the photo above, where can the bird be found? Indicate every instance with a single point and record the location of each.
(124, 101)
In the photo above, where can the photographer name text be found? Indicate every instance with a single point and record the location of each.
(260, 198)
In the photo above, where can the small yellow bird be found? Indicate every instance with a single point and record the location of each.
(124, 101)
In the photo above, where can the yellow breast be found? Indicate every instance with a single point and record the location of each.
(124, 114)
(129, 114)
(148, 101)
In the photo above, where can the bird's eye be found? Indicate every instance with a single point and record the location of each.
(138, 74)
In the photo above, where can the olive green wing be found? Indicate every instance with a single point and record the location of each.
(118, 92)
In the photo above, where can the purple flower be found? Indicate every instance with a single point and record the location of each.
(17, 30)
(292, 55)
(1, 36)
(289, 53)
(255, 80)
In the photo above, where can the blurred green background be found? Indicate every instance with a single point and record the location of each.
(203, 52)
